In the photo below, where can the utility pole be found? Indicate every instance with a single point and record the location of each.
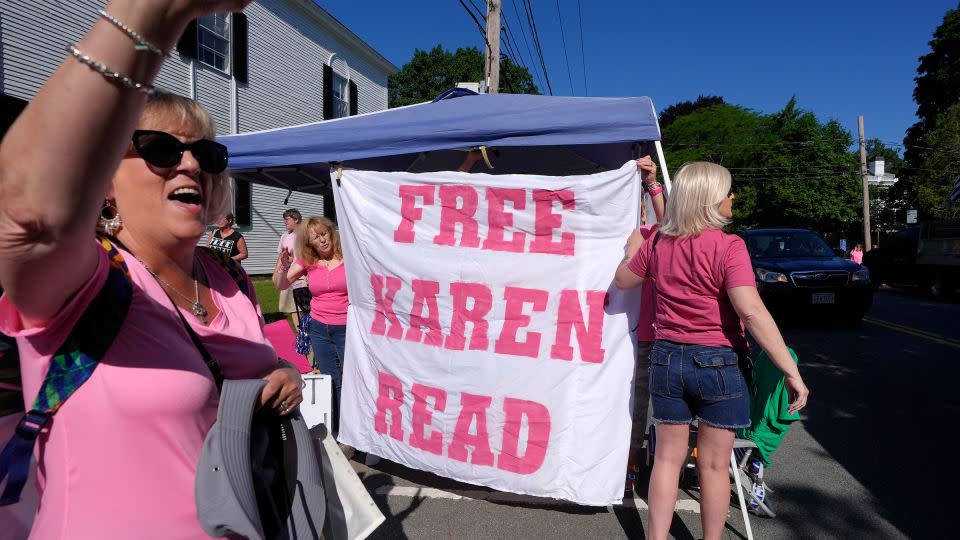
(868, 243)
(493, 46)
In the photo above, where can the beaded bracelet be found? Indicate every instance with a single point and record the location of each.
(655, 191)
(652, 186)
(141, 43)
(110, 75)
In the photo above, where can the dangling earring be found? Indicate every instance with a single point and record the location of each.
(110, 218)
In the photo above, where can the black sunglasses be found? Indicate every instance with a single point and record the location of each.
(164, 150)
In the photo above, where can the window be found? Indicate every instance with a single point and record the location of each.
(340, 98)
(213, 41)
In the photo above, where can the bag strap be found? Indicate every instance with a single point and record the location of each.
(70, 367)
(233, 268)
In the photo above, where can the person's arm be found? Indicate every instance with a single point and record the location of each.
(469, 161)
(242, 249)
(625, 278)
(284, 276)
(748, 305)
(648, 176)
(58, 158)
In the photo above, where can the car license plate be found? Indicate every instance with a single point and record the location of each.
(823, 298)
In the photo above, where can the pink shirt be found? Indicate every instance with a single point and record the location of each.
(691, 276)
(856, 256)
(329, 290)
(648, 297)
(119, 459)
(287, 240)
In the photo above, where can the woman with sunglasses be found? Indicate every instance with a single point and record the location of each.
(228, 240)
(320, 259)
(118, 459)
(706, 293)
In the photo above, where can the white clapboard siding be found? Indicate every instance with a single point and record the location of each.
(289, 41)
(264, 232)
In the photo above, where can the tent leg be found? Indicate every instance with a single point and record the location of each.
(663, 166)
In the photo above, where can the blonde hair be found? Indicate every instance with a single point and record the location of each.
(694, 203)
(316, 224)
(183, 111)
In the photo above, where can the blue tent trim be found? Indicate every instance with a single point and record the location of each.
(533, 134)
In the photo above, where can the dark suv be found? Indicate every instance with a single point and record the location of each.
(796, 269)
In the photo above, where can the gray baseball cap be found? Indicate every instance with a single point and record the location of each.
(259, 475)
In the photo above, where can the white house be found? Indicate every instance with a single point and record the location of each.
(279, 63)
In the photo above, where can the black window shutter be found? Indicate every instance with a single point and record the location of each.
(353, 98)
(242, 209)
(329, 207)
(239, 52)
(327, 92)
(187, 46)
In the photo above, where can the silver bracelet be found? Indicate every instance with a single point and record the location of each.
(141, 43)
(112, 76)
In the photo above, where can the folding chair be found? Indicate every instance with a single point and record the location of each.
(740, 478)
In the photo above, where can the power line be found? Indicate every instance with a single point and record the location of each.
(563, 40)
(532, 21)
(526, 43)
(475, 20)
(583, 57)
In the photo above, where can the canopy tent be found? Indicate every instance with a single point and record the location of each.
(531, 135)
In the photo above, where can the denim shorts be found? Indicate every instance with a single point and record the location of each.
(698, 381)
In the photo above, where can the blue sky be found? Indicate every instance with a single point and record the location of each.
(840, 58)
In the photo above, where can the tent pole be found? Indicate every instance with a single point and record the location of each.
(663, 167)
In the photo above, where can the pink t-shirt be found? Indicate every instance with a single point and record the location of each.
(648, 296)
(856, 256)
(329, 290)
(287, 240)
(119, 459)
(691, 276)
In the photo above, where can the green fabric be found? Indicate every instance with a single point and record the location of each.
(769, 406)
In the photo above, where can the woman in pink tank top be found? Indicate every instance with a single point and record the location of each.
(319, 257)
(93, 151)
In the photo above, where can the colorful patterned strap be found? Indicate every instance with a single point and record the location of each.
(90, 338)
(70, 367)
(237, 273)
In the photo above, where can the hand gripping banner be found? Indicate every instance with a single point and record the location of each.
(485, 339)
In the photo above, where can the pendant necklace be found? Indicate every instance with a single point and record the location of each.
(197, 308)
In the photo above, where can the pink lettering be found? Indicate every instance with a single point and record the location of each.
(451, 215)
(499, 219)
(538, 436)
(547, 221)
(472, 406)
(589, 335)
(425, 297)
(476, 315)
(514, 319)
(423, 418)
(390, 399)
(385, 307)
(409, 213)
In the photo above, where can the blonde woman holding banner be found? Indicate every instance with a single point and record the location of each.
(706, 293)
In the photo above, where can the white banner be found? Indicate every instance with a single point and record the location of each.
(485, 339)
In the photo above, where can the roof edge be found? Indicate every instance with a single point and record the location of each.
(340, 30)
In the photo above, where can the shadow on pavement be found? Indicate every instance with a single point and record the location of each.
(882, 408)
(392, 528)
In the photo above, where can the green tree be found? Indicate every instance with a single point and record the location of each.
(430, 73)
(937, 89)
(683, 108)
(941, 166)
(789, 169)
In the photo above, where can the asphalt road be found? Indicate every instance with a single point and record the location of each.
(868, 460)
